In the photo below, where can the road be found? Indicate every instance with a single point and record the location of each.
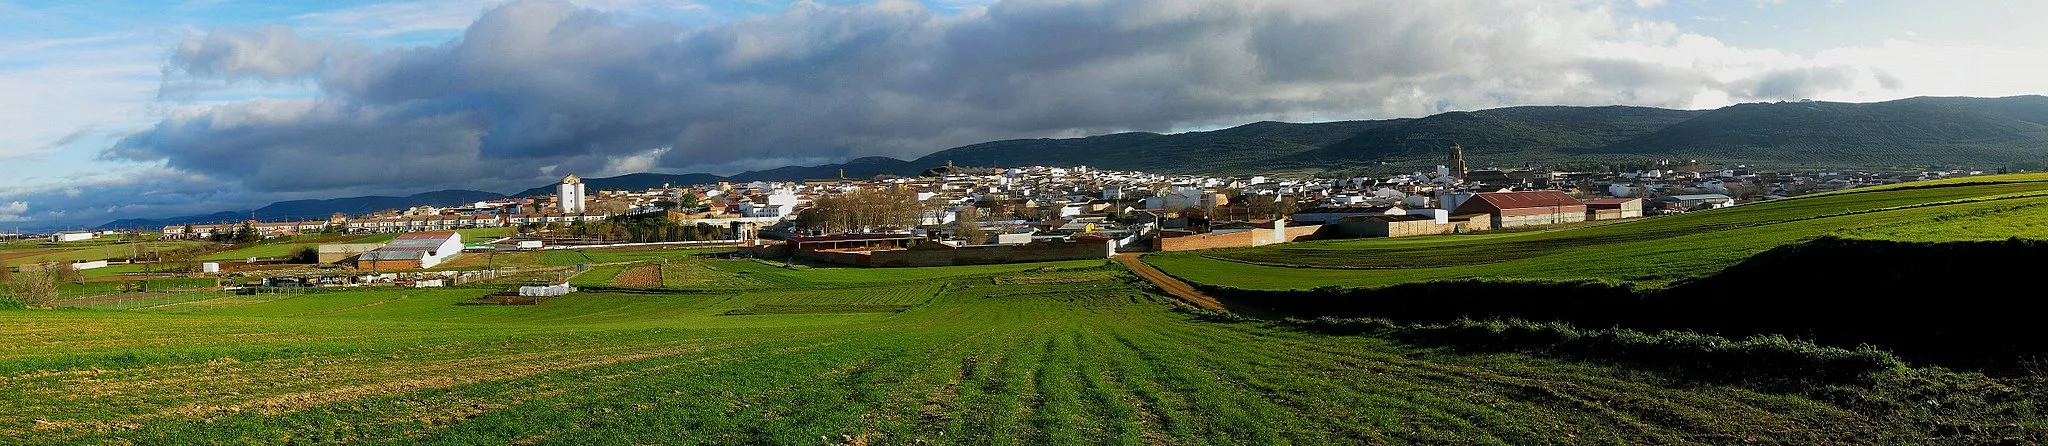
(1172, 286)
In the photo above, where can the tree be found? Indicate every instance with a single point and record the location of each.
(247, 234)
(31, 289)
(63, 272)
(863, 210)
(971, 232)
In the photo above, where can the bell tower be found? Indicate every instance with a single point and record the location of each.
(1457, 164)
(570, 195)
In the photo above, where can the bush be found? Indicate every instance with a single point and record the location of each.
(30, 289)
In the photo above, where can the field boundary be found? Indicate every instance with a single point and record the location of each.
(1173, 286)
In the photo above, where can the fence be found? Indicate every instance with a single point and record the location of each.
(119, 302)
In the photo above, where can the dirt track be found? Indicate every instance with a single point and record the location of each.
(1172, 286)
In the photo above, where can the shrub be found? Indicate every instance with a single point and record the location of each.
(30, 289)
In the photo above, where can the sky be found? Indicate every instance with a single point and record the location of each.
(117, 109)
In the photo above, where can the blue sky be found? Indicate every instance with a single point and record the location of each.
(144, 108)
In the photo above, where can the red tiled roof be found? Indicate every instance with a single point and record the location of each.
(1515, 200)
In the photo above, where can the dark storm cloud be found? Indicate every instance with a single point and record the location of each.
(538, 87)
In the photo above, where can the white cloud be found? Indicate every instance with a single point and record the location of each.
(14, 211)
(635, 163)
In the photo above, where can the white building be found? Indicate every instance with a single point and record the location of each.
(71, 236)
(781, 203)
(571, 194)
(410, 251)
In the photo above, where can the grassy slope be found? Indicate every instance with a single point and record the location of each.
(1650, 252)
(89, 251)
(1075, 356)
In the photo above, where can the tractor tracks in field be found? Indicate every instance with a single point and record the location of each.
(1172, 286)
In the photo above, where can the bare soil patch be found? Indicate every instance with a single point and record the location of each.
(643, 277)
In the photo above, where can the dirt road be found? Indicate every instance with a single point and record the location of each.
(1172, 286)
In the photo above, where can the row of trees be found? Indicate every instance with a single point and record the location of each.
(644, 229)
(863, 210)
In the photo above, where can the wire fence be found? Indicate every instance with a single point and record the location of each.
(135, 301)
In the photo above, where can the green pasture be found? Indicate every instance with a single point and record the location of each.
(1009, 354)
(97, 251)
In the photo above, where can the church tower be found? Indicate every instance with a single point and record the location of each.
(570, 194)
(1457, 165)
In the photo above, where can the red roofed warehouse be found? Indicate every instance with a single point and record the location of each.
(412, 251)
(1511, 209)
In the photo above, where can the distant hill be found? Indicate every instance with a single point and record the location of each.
(159, 223)
(314, 209)
(1980, 132)
(1925, 130)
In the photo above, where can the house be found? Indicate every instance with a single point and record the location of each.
(412, 251)
(1614, 208)
(1512, 209)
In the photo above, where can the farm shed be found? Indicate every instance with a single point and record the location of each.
(1512, 209)
(1614, 208)
(412, 251)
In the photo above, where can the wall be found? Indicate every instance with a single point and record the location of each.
(337, 252)
(1378, 228)
(1539, 216)
(1256, 237)
(388, 265)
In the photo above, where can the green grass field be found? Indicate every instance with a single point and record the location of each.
(1651, 252)
(1003, 354)
(84, 251)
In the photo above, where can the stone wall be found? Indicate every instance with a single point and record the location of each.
(387, 265)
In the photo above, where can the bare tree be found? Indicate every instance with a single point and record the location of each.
(971, 232)
(863, 210)
(32, 289)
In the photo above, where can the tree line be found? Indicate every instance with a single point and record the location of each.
(637, 229)
(863, 210)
